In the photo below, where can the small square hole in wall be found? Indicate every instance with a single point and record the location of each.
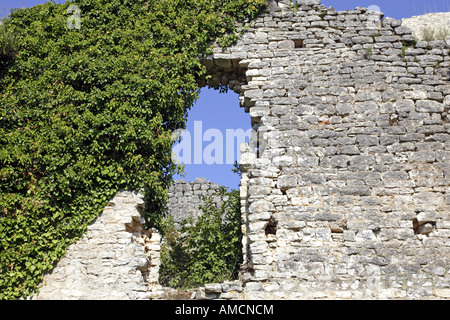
(298, 43)
(271, 227)
(423, 227)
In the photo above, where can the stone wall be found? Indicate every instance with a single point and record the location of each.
(116, 259)
(185, 198)
(119, 259)
(348, 193)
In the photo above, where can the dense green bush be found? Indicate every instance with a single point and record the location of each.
(206, 249)
(87, 112)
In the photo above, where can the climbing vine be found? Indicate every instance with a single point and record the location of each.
(88, 111)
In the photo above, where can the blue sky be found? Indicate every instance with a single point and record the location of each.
(397, 9)
(221, 110)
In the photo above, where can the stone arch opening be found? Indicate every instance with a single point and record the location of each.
(228, 69)
(227, 73)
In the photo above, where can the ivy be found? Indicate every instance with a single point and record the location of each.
(87, 112)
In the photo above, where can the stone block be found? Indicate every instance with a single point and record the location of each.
(429, 106)
(286, 44)
(309, 2)
(403, 30)
(286, 181)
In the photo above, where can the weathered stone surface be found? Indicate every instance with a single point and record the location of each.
(434, 21)
(185, 198)
(116, 259)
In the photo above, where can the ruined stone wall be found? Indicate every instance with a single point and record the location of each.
(119, 259)
(186, 197)
(348, 193)
(353, 164)
(116, 259)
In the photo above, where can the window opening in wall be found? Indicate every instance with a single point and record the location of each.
(271, 227)
(298, 43)
(423, 227)
(207, 247)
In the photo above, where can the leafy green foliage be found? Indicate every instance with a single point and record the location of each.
(207, 249)
(85, 113)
